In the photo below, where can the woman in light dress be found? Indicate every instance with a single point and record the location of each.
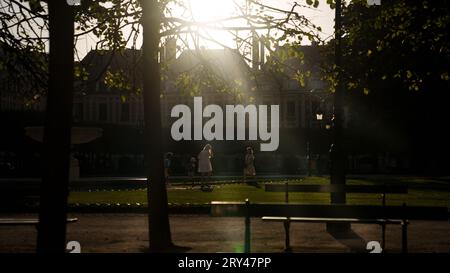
(204, 164)
(249, 167)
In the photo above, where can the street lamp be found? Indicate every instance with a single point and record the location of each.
(319, 117)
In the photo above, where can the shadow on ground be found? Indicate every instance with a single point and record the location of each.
(350, 239)
(170, 249)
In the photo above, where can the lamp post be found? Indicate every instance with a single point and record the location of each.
(318, 114)
(336, 150)
(319, 117)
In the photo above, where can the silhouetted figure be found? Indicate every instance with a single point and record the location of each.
(204, 166)
(249, 167)
(167, 162)
(191, 169)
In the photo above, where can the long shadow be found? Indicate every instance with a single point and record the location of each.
(434, 183)
(350, 239)
(170, 249)
(253, 183)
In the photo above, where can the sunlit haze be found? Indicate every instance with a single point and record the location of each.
(217, 11)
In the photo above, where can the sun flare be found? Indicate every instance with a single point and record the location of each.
(208, 10)
(211, 15)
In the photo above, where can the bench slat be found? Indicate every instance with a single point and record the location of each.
(27, 221)
(337, 188)
(327, 220)
(232, 209)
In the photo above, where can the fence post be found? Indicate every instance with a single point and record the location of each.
(286, 192)
(383, 225)
(404, 231)
(247, 235)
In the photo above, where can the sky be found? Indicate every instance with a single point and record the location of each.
(208, 10)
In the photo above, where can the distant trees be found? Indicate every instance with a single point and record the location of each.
(402, 42)
(396, 71)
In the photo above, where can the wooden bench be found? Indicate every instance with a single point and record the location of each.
(15, 192)
(327, 213)
(382, 190)
(26, 221)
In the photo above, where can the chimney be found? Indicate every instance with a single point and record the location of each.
(170, 50)
(255, 51)
(262, 51)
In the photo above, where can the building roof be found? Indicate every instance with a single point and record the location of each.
(97, 62)
(228, 64)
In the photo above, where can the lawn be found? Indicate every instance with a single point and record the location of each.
(422, 191)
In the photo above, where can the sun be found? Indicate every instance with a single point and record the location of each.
(209, 10)
(210, 15)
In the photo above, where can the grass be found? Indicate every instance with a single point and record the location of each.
(422, 191)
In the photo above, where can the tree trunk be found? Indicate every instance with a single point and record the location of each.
(337, 152)
(158, 212)
(338, 158)
(57, 131)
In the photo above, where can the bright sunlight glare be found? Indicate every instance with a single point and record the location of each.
(217, 11)
(215, 14)
(209, 10)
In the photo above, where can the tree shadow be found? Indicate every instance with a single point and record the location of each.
(168, 249)
(253, 184)
(350, 239)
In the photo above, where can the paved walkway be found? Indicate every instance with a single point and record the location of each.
(202, 233)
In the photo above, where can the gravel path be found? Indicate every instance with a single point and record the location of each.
(202, 233)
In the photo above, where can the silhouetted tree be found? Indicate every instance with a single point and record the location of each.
(396, 70)
(57, 132)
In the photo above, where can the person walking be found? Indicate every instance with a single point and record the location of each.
(204, 166)
(167, 162)
(249, 167)
(191, 169)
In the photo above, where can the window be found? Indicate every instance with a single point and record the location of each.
(315, 107)
(102, 112)
(290, 110)
(78, 111)
(125, 112)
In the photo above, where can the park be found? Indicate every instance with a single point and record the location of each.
(247, 126)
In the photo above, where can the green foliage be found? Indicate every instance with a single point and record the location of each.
(421, 193)
(398, 43)
(117, 80)
(288, 63)
(80, 73)
(331, 3)
(116, 24)
(203, 78)
(314, 3)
